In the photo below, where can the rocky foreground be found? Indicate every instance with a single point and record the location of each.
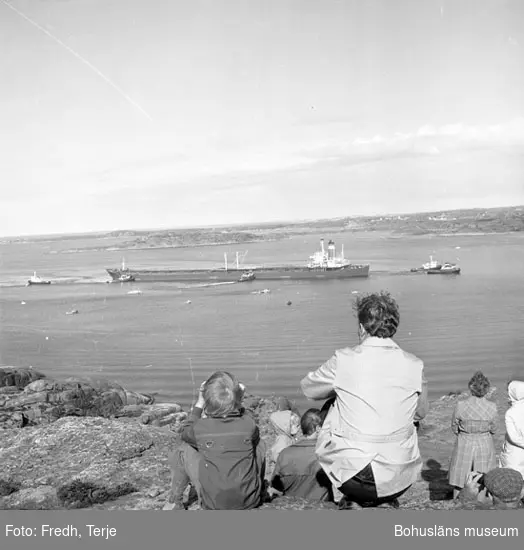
(84, 443)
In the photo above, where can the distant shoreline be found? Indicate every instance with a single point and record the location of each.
(464, 221)
(366, 233)
(196, 245)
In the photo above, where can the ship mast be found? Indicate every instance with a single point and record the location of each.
(225, 261)
(237, 262)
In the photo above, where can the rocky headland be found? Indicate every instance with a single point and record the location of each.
(90, 443)
(472, 221)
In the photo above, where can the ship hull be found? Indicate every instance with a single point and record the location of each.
(233, 275)
(455, 271)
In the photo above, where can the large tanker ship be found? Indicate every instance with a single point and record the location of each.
(321, 265)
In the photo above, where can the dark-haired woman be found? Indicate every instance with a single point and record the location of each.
(368, 445)
(474, 422)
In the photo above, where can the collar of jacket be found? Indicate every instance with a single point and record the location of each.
(232, 414)
(307, 442)
(375, 342)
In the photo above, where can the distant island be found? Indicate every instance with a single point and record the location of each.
(445, 222)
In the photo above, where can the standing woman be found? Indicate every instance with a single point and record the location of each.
(368, 445)
(474, 422)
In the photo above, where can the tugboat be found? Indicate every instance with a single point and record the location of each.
(125, 276)
(247, 276)
(35, 280)
(432, 264)
(445, 269)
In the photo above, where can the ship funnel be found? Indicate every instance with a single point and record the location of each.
(331, 250)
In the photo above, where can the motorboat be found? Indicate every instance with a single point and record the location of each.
(35, 280)
(247, 276)
(445, 269)
(432, 264)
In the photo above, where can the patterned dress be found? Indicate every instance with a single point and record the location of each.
(474, 421)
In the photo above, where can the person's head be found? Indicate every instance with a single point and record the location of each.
(505, 486)
(285, 422)
(515, 391)
(479, 385)
(311, 422)
(222, 394)
(378, 314)
(294, 423)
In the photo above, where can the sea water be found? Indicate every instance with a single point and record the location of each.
(168, 338)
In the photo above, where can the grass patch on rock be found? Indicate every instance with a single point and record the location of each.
(82, 494)
(8, 487)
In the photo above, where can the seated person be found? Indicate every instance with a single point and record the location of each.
(500, 488)
(287, 425)
(368, 445)
(297, 471)
(221, 455)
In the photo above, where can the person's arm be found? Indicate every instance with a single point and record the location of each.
(276, 480)
(422, 403)
(319, 384)
(493, 422)
(515, 435)
(256, 436)
(455, 420)
(188, 434)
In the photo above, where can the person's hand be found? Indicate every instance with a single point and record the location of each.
(473, 479)
(273, 493)
(474, 488)
(200, 400)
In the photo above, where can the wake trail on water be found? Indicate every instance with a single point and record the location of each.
(97, 71)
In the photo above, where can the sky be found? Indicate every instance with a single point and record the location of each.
(118, 114)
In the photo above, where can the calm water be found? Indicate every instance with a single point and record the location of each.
(158, 342)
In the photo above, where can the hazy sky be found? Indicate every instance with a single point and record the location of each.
(190, 112)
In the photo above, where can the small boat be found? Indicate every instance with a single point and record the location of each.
(135, 292)
(247, 276)
(125, 276)
(445, 269)
(72, 312)
(432, 264)
(35, 280)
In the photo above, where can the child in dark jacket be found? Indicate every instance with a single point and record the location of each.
(221, 455)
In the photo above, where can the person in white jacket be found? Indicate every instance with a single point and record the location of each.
(512, 455)
(368, 445)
